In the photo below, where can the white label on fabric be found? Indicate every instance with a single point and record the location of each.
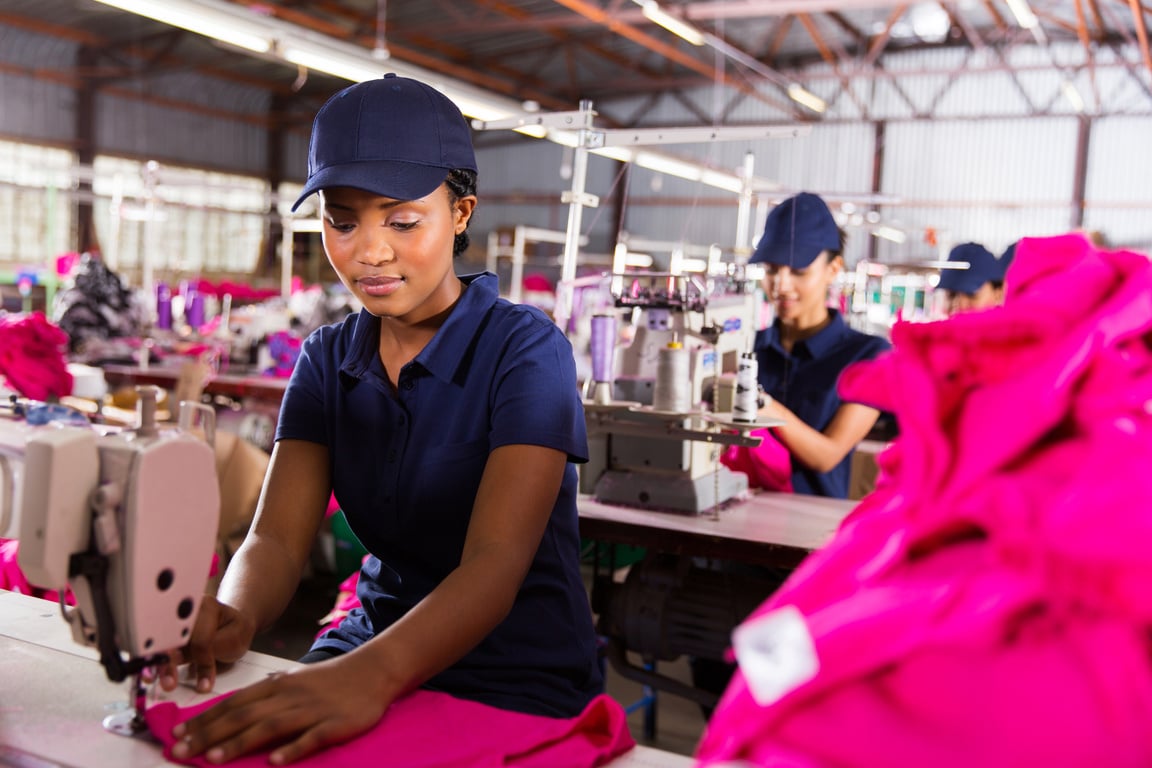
(776, 653)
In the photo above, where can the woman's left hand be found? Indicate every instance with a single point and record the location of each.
(298, 713)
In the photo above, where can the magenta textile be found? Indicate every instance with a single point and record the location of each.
(32, 357)
(427, 729)
(989, 604)
(768, 465)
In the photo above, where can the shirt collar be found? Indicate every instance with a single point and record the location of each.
(819, 343)
(445, 352)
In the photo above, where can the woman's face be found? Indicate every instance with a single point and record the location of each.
(395, 256)
(800, 295)
(987, 296)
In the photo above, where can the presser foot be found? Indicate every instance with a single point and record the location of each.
(129, 721)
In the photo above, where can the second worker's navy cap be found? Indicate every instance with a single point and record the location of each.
(796, 232)
(395, 137)
(982, 268)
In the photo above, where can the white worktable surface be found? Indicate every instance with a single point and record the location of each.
(54, 696)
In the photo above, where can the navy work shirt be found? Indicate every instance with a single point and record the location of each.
(406, 466)
(805, 383)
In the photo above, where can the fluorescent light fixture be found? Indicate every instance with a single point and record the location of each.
(890, 233)
(206, 19)
(1023, 13)
(350, 68)
(654, 13)
(477, 108)
(240, 26)
(669, 165)
(805, 97)
(1072, 95)
(535, 131)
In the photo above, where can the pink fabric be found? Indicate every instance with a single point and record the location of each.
(32, 357)
(346, 600)
(427, 729)
(988, 603)
(768, 465)
(12, 577)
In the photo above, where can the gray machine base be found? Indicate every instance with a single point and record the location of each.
(672, 493)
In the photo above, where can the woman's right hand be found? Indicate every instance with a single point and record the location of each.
(221, 636)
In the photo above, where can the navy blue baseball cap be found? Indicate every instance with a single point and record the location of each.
(982, 268)
(395, 137)
(1007, 257)
(796, 232)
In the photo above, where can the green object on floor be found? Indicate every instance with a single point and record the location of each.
(349, 551)
(625, 554)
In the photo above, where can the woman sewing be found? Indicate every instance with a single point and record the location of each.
(446, 421)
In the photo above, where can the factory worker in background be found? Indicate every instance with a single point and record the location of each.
(980, 285)
(447, 421)
(801, 355)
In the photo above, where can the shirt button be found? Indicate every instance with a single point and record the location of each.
(391, 456)
(409, 384)
(400, 420)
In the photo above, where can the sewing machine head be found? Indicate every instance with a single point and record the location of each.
(126, 520)
(653, 441)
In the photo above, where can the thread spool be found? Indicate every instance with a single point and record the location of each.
(602, 347)
(194, 309)
(163, 306)
(744, 405)
(673, 388)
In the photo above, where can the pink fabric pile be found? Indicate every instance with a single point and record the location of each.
(990, 602)
(32, 360)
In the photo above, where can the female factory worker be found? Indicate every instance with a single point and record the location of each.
(800, 356)
(446, 421)
(980, 285)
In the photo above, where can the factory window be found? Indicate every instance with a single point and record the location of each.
(36, 186)
(185, 221)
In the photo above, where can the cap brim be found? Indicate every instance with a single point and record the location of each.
(959, 281)
(387, 178)
(794, 255)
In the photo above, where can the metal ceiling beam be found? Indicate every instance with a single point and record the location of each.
(1141, 32)
(747, 9)
(641, 38)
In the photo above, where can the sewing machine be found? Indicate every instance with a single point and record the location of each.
(126, 519)
(651, 449)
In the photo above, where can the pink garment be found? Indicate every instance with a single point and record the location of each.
(32, 357)
(12, 576)
(427, 729)
(988, 604)
(768, 465)
(346, 600)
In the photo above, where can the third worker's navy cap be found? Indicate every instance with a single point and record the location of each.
(796, 232)
(395, 137)
(982, 268)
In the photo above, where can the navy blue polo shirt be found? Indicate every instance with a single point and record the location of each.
(805, 383)
(406, 465)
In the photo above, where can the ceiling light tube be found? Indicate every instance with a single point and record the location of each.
(654, 13)
(354, 69)
(206, 19)
(890, 233)
(1072, 95)
(806, 98)
(1023, 13)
